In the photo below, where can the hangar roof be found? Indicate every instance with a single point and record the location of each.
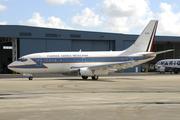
(20, 31)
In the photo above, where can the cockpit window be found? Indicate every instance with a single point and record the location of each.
(22, 59)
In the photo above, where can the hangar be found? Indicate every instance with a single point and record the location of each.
(17, 40)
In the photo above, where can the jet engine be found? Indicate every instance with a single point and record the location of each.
(91, 72)
(86, 72)
(112, 71)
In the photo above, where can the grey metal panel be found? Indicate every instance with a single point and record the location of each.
(127, 43)
(133, 69)
(88, 45)
(118, 45)
(112, 45)
(100, 46)
(130, 37)
(85, 45)
(58, 45)
(167, 38)
(28, 46)
(177, 51)
(168, 46)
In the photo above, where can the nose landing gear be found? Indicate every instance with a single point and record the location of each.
(28, 75)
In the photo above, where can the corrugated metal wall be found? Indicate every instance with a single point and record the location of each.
(92, 45)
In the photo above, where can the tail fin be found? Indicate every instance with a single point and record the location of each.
(144, 42)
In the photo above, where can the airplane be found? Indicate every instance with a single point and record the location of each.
(168, 65)
(90, 64)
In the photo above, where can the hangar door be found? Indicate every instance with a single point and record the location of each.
(127, 43)
(92, 45)
(28, 46)
(9, 52)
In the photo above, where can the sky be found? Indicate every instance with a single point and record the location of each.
(114, 16)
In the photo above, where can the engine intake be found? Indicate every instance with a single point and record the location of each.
(91, 72)
(86, 72)
(112, 71)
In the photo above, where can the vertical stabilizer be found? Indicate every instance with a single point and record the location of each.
(144, 42)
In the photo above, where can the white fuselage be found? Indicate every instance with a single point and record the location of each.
(168, 63)
(64, 62)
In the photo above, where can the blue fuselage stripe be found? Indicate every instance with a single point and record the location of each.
(71, 60)
(39, 61)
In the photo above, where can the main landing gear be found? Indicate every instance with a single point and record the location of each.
(84, 77)
(93, 77)
(30, 77)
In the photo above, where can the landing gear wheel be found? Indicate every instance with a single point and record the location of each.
(84, 77)
(30, 78)
(94, 77)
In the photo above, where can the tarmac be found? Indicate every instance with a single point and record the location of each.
(124, 96)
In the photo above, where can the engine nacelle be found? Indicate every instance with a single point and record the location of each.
(162, 69)
(86, 72)
(112, 71)
(91, 72)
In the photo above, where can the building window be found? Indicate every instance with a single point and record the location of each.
(7, 47)
(75, 36)
(51, 35)
(25, 34)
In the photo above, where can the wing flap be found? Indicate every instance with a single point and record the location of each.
(104, 66)
(111, 66)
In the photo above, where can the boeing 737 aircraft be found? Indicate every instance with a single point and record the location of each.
(168, 65)
(90, 64)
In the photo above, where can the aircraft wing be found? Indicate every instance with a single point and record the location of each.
(104, 66)
(155, 53)
(111, 66)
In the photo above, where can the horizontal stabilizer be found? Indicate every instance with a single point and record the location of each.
(105, 66)
(155, 53)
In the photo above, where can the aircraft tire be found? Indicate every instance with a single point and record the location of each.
(30, 78)
(95, 77)
(84, 77)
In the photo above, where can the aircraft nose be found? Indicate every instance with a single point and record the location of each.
(10, 66)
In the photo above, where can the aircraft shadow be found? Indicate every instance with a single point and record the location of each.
(100, 80)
